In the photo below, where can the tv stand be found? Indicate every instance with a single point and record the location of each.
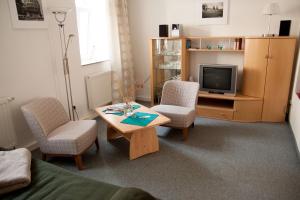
(238, 108)
(220, 93)
(266, 81)
(213, 92)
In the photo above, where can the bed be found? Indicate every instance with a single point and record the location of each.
(51, 182)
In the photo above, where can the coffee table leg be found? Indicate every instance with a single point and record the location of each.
(143, 142)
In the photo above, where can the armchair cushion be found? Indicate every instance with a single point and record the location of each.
(181, 117)
(72, 138)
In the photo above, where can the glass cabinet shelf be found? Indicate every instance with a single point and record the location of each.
(170, 65)
(167, 63)
(169, 54)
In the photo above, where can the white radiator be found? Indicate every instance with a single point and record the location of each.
(98, 89)
(7, 131)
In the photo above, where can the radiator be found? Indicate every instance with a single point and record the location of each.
(7, 131)
(98, 89)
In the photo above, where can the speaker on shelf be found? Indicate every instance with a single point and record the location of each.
(163, 30)
(285, 26)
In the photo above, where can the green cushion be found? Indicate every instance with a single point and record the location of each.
(50, 182)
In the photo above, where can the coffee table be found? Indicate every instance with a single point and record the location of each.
(142, 140)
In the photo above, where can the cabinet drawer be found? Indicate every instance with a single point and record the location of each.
(215, 113)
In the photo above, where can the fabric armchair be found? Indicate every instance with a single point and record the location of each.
(55, 133)
(178, 102)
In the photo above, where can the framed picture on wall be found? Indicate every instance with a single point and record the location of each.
(28, 13)
(213, 12)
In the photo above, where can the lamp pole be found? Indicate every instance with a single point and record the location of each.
(64, 50)
(269, 25)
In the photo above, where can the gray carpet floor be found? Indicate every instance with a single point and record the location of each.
(220, 160)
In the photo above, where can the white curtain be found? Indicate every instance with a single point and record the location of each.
(121, 52)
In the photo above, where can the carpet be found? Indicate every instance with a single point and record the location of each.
(220, 160)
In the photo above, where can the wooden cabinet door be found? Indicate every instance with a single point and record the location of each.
(248, 111)
(278, 79)
(255, 64)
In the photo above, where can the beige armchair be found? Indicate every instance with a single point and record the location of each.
(178, 103)
(55, 133)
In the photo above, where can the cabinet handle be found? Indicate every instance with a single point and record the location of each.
(270, 56)
(266, 56)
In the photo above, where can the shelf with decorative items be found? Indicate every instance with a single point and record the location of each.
(216, 44)
(168, 57)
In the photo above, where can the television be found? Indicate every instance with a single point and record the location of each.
(219, 79)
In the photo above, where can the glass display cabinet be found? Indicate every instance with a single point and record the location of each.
(168, 62)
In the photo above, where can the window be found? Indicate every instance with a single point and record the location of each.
(92, 22)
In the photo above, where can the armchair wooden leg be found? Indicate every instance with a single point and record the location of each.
(97, 143)
(185, 133)
(44, 157)
(193, 125)
(78, 161)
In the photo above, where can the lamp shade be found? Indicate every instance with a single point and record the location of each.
(60, 13)
(271, 9)
(59, 9)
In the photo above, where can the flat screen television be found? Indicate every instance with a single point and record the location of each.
(220, 79)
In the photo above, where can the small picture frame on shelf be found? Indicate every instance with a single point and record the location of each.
(176, 30)
(28, 14)
(213, 12)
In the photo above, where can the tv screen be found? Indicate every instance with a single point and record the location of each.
(218, 78)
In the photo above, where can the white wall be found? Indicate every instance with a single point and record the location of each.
(30, 65)
(295, 106)
(244, 18)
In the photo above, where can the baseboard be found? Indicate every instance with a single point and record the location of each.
(32, 146)
(90, 115)
(295, 142)
(143, 98)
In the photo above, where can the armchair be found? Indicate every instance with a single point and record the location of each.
(55, 133)
(178, 103)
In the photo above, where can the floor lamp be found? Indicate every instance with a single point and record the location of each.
(60, 17)
(269, 10)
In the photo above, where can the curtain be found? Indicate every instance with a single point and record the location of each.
(121, 52)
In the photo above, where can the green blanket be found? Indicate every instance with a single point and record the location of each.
(50, 182)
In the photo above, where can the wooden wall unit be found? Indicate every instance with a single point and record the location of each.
(267, 72)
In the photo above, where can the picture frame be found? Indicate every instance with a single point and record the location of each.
(213, 12)
(28, 15)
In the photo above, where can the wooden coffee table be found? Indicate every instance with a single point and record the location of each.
(142, 140)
